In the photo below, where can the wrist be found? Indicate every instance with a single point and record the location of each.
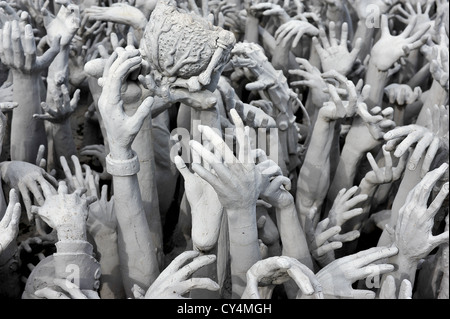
(118, 152)
(125, 164)
(69, 233)
(405, 267)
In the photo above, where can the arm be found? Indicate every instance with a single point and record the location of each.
(137, 254)
(381, 59)
(412, 234)
(18, 51)
(64, 25)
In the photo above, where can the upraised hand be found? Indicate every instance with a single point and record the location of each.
(66, 106)
(335, 55)
(206, 209)
(427, 139)
(399, 45)
(27, 178)
(337, 277)
(65, 212)
(413, 231)
(64, 25)
(293, 30)
(18, 49)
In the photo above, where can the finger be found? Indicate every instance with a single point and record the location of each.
(405, 291)
(371, 255)
(141, 113)
(324, 236)
(78, 171)
(302, 281)
(437, 202)
(26, 200)
(49, 293)
(45, 59)
(419, 150)
(344, 34)
(196, 283)
(433, 148)
(407, 143)
(332, 33)
(62, 188)
(178, 261)
(347, 237)
(70, 287)
(426, 185)
(329, 247)
(182, 168)
(47, 189)
(372, 271)
(219, 145)
(352, 213)
(272, 171)
(388, 288)
(34, 189)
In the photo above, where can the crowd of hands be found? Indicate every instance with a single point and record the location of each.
(103, 198)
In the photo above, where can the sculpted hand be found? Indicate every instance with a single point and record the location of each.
(334, 55)
(120, 13)
(101, 218)
(399, 45)
(27, 178)
(402, 94)
(66, 106)
(337, 277)
(64, 212)
(64, 25)
(270, 9)
(201, 195)
(272, 271)
(293, 30)
(232, 175)
(312, 78)
(343, 210)
(427, 139)
(174, 281)
(413, 232)
(18, 49)
(121, 128)
(9, 224)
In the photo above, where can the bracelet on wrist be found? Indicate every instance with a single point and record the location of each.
(122, 167)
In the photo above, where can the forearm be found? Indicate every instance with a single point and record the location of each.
(316, 166)
(292, 235)
(251, 28)
(27, 133)
(366, 34)
(143, 145)
(377, 80)
(244, 246)
(435, 96)
(138, 262)
(346, 170)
